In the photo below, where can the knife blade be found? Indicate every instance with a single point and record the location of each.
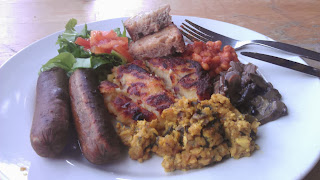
(291, 48)
(284, 63)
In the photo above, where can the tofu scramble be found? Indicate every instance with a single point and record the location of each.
(192, 134)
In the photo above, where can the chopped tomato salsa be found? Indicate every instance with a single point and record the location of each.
(104, 42)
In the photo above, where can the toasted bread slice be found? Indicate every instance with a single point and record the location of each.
(148, 22)
(163, 43)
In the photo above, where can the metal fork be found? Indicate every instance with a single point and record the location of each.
(202, 34)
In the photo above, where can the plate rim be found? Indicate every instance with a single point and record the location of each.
(8, 61)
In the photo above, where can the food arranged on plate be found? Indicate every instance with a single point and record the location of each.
(192, 104)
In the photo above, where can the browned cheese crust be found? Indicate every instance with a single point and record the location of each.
(49, 131)
(126, 110)
(163, 43)
(143, 87)
(148, 22)
(185, 77)
(98, 139)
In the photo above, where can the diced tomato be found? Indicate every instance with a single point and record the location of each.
(97, 36)
(105, 41)
(83, 42)
(124, 52)
(99, 50)
(125, 40)
(111, 44)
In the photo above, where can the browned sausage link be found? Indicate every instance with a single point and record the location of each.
(98, 139)
(51, 119)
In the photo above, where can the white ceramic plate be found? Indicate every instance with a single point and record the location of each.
(289, 147)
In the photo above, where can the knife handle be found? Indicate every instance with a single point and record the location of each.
(284, 63)
(290, 48)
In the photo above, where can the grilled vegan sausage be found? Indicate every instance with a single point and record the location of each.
(51, 119)
(98, 139)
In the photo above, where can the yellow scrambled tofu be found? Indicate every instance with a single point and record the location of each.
(192, 134)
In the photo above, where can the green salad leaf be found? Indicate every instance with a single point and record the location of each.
(123, 33)
(118, 31)
(85, 33)
(100, 59)
(69, 63)
(123, 59)
(67, 38)
(64, 60)
(70, 33)
(82, 63)
(96, 60)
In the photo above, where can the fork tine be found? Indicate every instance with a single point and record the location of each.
(214, 35)
(194, 34)
(208, 38)
(189, 36)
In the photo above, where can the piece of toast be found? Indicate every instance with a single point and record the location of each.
(165, 42)
(148, 22)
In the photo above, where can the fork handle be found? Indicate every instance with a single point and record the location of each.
(290, 48)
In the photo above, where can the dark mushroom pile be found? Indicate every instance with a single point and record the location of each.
(250, 93)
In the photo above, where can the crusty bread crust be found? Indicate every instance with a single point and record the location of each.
(148, 22)
(163, 43)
